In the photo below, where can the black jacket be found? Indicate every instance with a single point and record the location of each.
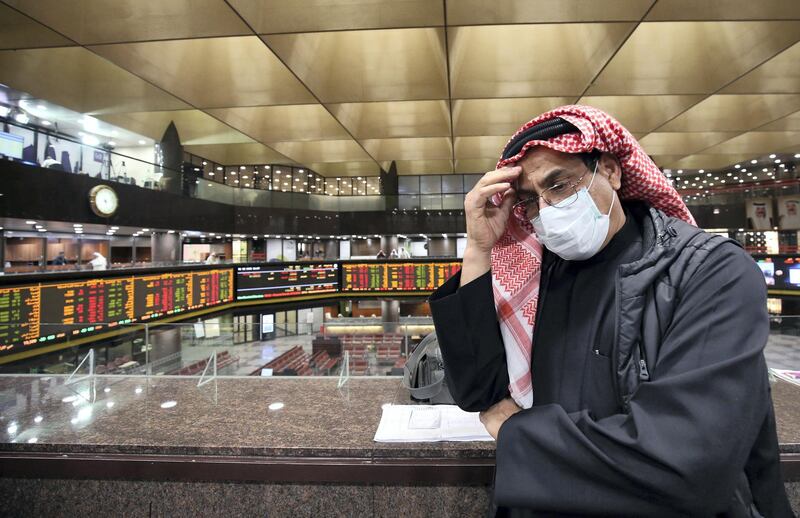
(695, 432)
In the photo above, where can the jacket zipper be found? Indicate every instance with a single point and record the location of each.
(644, 373)
(615, 346)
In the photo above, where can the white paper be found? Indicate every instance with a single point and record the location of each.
(787, 375)
(429, 423)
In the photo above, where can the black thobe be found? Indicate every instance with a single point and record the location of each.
(575, 452)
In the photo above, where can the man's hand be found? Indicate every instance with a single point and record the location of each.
(485, 221)
(494, 418)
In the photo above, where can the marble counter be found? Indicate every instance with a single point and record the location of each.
(238, 417)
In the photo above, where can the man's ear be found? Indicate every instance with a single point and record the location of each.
(610, 168)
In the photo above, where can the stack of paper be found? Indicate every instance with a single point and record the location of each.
(788, 375)
(429, 423)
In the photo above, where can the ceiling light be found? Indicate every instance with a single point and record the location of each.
(90, 140)
(777, 160)
(145, 230)
(772, 155)
(112, 143)
(737, 166)
(754, 161)
(46, 123)
(22, 118)
(4, 111)
(142, 142)
(30, 222)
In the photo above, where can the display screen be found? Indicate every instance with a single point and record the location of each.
(391, 276)
(267, 281)
(51, 311)
(267, 324)
(11, 145)
(794, 275)
(768, 269)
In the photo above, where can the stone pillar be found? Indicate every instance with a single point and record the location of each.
(390, 187)
(43, 258)
(169, 161)
(390, 315)
(165, 247)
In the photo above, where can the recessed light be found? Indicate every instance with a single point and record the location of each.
(30, 222)
(142, 142)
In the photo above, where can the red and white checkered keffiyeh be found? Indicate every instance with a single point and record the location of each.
(517, 255)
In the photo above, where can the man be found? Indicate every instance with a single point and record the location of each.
(60, 259)
(630, 344)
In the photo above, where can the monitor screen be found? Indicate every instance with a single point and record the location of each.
(11, 145)
(768, 269)
(285, 280)
(794, 276)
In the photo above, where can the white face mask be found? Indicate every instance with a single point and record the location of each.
(577, 231)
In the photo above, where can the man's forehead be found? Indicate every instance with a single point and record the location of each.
(539, 162)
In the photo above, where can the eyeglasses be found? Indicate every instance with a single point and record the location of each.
(563, 194)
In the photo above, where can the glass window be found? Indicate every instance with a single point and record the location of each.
(453, 201)
(346, 187)
(330, 186)
(281, 179)
(374, 185)
(246, 177)
(431, 202)
(470, 180)
(408, 201)
(232, 176)
(430, 184)
(408, 185)
(452, 183)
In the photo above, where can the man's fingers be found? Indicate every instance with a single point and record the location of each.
(502, 174)
(483, 194)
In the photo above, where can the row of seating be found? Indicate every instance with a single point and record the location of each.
(358, 365)
(388, 353)
(331, 344)
(356, 350)
(224, 359)
(323, 363)
(112, 366)
(295, 361)
(381, 339)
